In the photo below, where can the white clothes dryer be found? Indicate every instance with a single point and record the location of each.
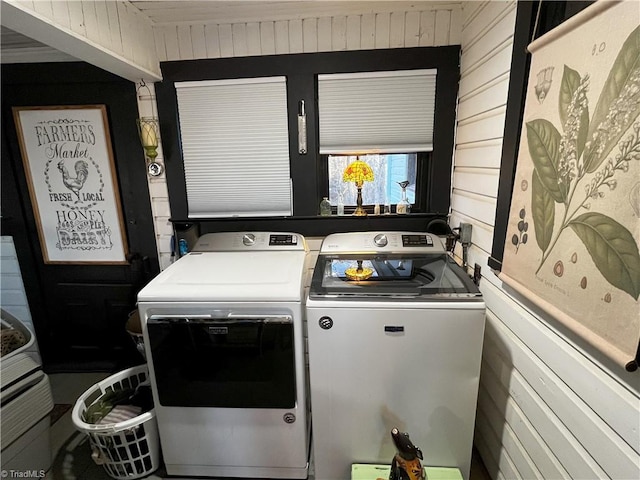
(223, 337)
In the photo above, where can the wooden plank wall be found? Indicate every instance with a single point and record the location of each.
(158, 193)
(398, 29)
(115, 27)
(546, 409)
(434, 25)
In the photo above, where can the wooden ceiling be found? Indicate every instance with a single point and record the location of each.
(17, 48)
(187, 11)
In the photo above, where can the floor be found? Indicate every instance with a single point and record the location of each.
(68, 387)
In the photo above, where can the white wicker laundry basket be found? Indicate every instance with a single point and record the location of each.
(129, 449)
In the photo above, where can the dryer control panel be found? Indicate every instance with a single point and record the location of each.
(246, 241)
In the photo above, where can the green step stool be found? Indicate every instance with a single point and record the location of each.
(362, 471)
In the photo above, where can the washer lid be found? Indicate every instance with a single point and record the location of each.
(408, 276)
(230, 277)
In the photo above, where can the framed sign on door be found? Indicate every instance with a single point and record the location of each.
(69, 166)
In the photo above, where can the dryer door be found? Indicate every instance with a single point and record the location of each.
(240, 362)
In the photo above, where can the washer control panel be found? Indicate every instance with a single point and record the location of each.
(389, 242)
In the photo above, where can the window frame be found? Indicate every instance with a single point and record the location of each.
(301, 71)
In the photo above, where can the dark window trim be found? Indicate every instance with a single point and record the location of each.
(301, 71)
(552, 14)
(520, 62)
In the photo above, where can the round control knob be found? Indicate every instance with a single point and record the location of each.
(380, 240)
(248, 239)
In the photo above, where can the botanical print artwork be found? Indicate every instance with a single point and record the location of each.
(564, 160)
(574, 226)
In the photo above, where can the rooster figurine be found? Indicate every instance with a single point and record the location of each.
(406, 464)
(75, 184)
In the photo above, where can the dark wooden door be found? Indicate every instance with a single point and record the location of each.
(79, 311)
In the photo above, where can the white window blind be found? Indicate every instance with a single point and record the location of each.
(383, 112)
(235, 144)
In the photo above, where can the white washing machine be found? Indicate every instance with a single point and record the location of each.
(395, 331)
(223, 338)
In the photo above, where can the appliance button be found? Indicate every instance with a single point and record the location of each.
(289, 417)
(248, 239)
(325, 323)
(380, 240)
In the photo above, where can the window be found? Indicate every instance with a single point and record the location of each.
(382, 112)
(382, 115)
(388, 171)
(428, 161)
(235, 143)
